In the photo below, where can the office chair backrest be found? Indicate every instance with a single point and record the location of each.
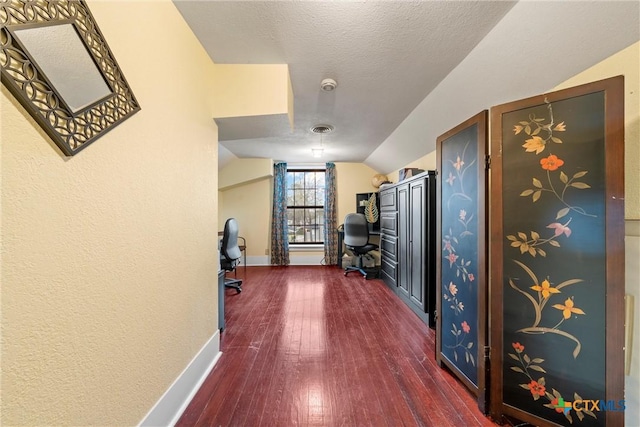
(230, 249)
(356, 230)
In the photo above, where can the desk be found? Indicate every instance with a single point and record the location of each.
(243, 249)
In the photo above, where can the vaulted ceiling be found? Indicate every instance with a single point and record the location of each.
(402, 67)
(386, 57)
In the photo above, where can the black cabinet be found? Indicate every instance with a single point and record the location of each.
(407, 226)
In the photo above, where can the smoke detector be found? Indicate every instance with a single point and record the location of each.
(328, 85)
(322, 129)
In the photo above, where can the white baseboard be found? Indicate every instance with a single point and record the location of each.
(305, 259)
(258, 260)
(169, 408)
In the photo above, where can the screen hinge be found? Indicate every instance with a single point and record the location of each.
(487, 162)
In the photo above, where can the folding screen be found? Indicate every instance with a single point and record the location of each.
(557, 257)
(461, 273)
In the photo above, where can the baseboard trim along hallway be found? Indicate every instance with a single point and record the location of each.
(169, 408)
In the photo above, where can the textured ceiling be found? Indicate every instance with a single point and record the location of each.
(386, 56)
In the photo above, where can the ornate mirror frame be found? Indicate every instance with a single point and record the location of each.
(70, 130)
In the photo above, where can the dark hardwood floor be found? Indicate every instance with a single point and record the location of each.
(309, 346)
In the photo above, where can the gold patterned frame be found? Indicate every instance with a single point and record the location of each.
(70, 130)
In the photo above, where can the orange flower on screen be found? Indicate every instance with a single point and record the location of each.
(453, 289)
(452, 258)
(536, 388)
(568, 308)
(546, 289)
(519, 348)
(465, 327)
(561, 127)
(535, 144)
(551, 163)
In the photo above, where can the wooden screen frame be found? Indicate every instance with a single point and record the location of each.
(480, 390)
(613, 89)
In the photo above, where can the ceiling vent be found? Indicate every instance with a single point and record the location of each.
(322, 129)
(328, 85)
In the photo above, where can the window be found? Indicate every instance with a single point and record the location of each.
(305, 206)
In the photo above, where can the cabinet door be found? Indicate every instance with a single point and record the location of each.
(404, 263)
(389, 247)
(388, 199)
(417, 240)
(388, 270)
(389, 223)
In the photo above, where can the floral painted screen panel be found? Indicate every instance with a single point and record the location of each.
(461, 274)
(556, 256)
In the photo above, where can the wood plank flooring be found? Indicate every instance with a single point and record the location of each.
(308, 346)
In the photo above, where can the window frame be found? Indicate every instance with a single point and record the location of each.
(305, 169)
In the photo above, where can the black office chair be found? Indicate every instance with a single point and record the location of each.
(230, 253)
(356, 239)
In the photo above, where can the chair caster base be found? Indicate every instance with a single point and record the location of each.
(355, 269)
(235, 284)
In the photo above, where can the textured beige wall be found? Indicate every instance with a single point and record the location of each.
(426, 162)
(250, 205)
(242, 171)
(352, 178)
(252, 90)
(109, 258)
(627, 63)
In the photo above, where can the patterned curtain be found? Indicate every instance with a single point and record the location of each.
(279, 229)
(330, 217)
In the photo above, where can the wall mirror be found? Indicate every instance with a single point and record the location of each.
(56, 63)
